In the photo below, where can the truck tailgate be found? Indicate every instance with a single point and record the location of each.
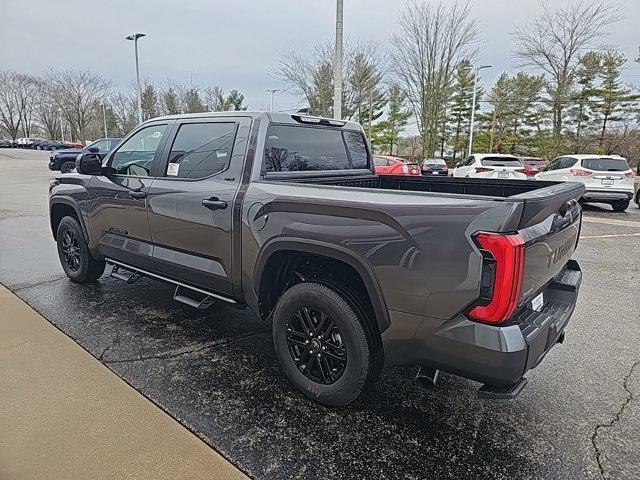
(548, 247)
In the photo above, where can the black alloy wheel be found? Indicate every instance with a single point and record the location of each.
(66, 167)
(70, 249)
(316, 345)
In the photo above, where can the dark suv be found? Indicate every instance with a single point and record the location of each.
(284, 214)
(65, 160)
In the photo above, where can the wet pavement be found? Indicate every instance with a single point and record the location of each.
(217, 373)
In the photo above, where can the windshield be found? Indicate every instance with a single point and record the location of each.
(501, 162)
(606, 164)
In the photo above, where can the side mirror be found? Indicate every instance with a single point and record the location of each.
(93, 149)
(88, 164)
(542, 168)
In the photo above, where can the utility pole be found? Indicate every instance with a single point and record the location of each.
(473, 106)
(337, 72)
(104, 117)
(272, 91)
(370, 111)
(135, 37)
(61, 128)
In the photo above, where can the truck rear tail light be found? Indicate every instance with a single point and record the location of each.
(630, 174)
(482, 169)
(502, 274)
(580, 172)
(405, 168)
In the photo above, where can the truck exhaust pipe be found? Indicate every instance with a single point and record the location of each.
(426, 377)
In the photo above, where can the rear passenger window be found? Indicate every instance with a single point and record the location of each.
(201, 149)
(297, 149)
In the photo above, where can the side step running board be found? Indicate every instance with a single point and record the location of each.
(201, 304)
(502, 393)
(122, 273)
(204, 299)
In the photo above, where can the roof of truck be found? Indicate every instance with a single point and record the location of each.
(274, 117)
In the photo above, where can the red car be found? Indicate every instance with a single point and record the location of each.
(532, 165)
(388, 165)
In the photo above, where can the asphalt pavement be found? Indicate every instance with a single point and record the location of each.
(216, 371)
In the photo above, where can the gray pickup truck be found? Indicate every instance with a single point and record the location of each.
(284, 214)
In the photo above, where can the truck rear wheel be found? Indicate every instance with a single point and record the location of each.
(74, 254)
(323, 346)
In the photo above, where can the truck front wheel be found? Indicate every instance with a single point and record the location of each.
(74, 254)
(323, 346)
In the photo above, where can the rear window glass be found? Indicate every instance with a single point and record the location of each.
(606, 164)
(434, 161)
(500, 162)
(298, 149)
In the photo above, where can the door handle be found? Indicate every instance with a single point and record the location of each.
(137, 194)
(214, 203)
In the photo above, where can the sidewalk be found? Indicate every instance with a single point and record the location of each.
(65, 415)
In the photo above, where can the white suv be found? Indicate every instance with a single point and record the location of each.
(490, 165)
(607, 178)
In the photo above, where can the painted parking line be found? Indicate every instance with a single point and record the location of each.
(614, 235)
(611, 221)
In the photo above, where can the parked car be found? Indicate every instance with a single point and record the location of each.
(284, 214)
(65, 160)
(637, 187)
(55, 145)
(6, 143)
(388, 165)
(434, 166)
(607, 178)
(490, 165)
(532, 165)
(36, 142)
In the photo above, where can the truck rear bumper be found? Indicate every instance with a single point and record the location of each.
(497, 356)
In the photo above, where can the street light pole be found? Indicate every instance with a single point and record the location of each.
(104, 117)
(135, 37)
(337, 72)
(272, 91)
(473, 106)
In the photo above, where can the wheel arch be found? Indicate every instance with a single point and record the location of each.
(330, 251)
(61, 207)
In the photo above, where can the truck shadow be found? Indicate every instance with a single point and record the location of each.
(216, 372)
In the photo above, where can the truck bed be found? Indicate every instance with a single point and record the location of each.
(540, 198)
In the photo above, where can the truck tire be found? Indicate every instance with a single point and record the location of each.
(66, 167)
(620, 206)
(74, 254)
(323, 346)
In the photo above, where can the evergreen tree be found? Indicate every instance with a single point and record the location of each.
(388, 130)
(612, 100)
(171, 101)
(460, 108)
(192, 102)
(149, 102)
(580, 116)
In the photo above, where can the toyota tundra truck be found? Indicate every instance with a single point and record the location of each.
(284, 214)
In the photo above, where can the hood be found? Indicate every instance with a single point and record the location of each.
(71, 151)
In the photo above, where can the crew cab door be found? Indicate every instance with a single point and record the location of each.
(118, 205)
(191, 203)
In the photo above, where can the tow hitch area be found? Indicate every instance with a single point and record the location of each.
(502, 393)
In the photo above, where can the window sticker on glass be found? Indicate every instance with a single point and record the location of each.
(157, 134)
(173, 169)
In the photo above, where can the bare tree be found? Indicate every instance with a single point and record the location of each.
(310, 75)
(432, 39)
(48, 112)
(17, 96)
(124, 108)
(77, 93)
(556, 40)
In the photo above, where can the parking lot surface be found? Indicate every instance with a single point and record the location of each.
(216, 371)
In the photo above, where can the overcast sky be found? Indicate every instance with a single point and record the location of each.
(234, 43)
